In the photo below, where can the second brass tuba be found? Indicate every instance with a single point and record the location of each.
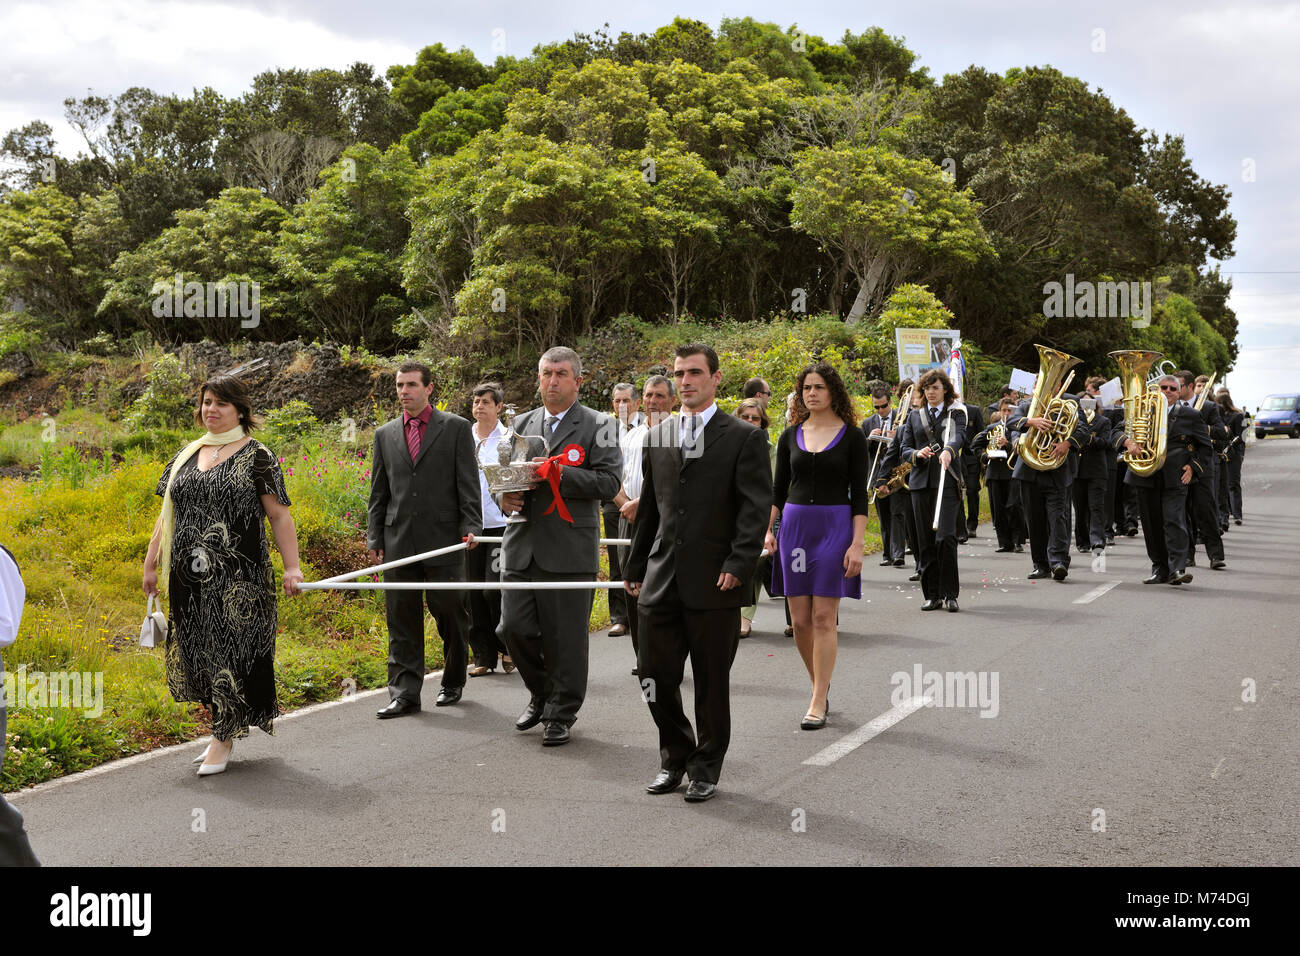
(1035, 447)
(1146, 413)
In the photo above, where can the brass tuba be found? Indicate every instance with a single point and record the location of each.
(1205, 392)
(1035, 447)
(1146, 413)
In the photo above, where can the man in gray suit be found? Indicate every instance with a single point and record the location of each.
(424, 495)
(546, 630)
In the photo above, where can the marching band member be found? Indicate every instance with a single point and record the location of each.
(1089, 488)
(1235, 421)
(1162, 497)
(932, 439)
(902, 520)
(1202, 512)
(884, 423)
(1008, 516)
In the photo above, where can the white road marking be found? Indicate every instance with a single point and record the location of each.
(1097, 592)
(850, 743)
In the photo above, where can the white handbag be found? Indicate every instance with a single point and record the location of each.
(154, 629)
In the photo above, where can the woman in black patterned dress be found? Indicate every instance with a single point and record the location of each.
(210, 547)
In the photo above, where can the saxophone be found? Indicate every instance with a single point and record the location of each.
(1146, 413)
(1034, 446)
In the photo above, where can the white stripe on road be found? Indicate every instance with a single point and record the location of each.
(1097, 592)
(846, 745)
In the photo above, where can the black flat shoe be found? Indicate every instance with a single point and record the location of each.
(555, 734)
(887, 562)
(932, 605)
(1002, 550)
(915, 577)
(447, 696)
(532, 715)
(1059, 572)
(1020, 549)
(900, 563)
(666, 782)
(1179, 577)
(398, 708)
(698, 791)
(952, 606)
(812, 723)
(1218, 564)
(1037, 573)
(1157, 579)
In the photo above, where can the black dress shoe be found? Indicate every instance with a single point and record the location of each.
(916, 576)
(1218, 564)
(812, 723)
(1002, 550)
(1110, 540)
(900, 563)
(886, 562)
(932, 605)
(1191, 562)
(1179, 577)
(952, 605)
(666, 782)
(398, 708)
(554, 734)
(962, 539)
(1060, 571)
(1020, 549)
(1038, 573)
(532, 715)
(448, 696)
(698, 791)
(618, 630)
(1236, 521)
(1157, 579)
(1132, 532)
(971, 532)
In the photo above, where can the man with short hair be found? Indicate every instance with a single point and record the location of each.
(881, 424)
(1089, 489)
(705, 501)
(1162, 497)
(424, 495)
(546, 629)
(627, 414)
(657, 398)
(759, 389)
(484, 563)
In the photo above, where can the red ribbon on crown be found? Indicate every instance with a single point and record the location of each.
(549, 470)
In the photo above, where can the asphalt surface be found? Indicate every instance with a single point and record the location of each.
(1121, 737)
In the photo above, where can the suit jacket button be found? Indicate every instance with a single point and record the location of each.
(681, 511)
(683, 481)
(679, 540)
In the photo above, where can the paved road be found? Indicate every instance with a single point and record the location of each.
(1131, 705)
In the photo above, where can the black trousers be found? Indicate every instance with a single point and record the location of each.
(1234, 484)
(1008, 516)
(893, 537)
(1126, 501)
(670, 633)
(1203, 518)
(405, 612)
(15, 848)
(969, 510)
(484, 564)
(910, 535)
(1108, 508)
(1163, 513)
(1046, 513)
(938, 551)
(618, 612)
(546, 632)
(629, 600)
(1089, 496)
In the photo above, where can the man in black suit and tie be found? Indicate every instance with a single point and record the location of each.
(424, 495)
(968, 513)
(546, 630)
(705, 499)
(932, 445)
(1162, 498)
(1088, 492)
(1202, 510)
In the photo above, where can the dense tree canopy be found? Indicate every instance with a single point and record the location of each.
(740, 173)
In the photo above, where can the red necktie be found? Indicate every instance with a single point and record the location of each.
(413, 438)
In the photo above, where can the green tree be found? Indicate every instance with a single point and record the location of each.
(435, 73)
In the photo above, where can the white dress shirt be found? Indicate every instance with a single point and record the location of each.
(487, 455)
(12, 597)
(703, 422)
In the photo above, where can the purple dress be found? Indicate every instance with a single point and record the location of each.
(812, 543)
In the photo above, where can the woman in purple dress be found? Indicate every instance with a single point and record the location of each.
(820, 492)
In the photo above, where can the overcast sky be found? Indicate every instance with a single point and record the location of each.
(1223, 75)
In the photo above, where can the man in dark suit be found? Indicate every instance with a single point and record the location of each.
(1162, 497)
(932, 439)
(1089, 487)
(1202, 510)
(968, 512)
(882, 425)
(424, 495)
(704, 507)
(546, 630)
(1046, 493)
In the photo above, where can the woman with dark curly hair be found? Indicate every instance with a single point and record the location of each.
(209, 553)
(820, 493)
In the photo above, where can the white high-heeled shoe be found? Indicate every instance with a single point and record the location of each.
(203, 756)
(207, 769)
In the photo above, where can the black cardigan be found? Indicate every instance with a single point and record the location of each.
(836, 476)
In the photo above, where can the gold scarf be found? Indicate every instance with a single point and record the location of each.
(168, 510)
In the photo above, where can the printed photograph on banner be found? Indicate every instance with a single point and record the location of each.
(923, 349)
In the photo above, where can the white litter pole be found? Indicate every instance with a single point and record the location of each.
(398, 563)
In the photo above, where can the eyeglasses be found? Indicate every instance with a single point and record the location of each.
(764, 393)
(1170, 388)
(883, 408)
